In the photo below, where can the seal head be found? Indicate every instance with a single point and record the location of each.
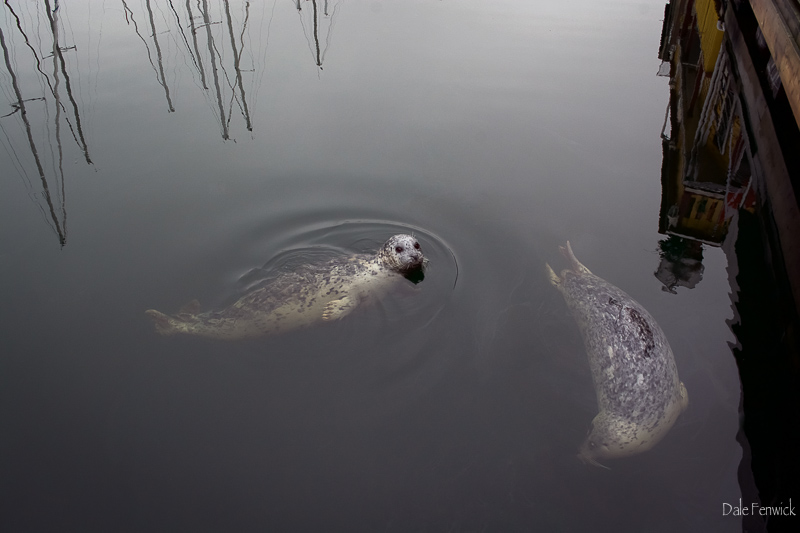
(612, 436)
(402, 253)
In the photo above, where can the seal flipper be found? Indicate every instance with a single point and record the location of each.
(590, 461)
(574, 264)
(340, 308)
(165, 325)
(553, 277)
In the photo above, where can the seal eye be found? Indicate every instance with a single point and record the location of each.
(592, 444)
(416, 245)
(398, 249)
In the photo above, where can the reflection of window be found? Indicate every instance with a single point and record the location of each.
(725, 113)
(701, 208)
(741, 175)
(721, 97)
(711, 211)
(687, 204)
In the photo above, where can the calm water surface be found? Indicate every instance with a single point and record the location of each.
(198, 144)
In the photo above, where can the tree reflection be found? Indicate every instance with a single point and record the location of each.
(227, 90)
(39, 127)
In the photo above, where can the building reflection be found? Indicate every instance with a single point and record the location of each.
(681, 263)
(42, 116)
(731, 164)
(707, 154)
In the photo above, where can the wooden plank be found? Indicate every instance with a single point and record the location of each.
(782, 42)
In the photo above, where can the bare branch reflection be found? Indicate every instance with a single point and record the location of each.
(36, 122)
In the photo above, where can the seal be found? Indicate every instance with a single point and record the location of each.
(312, 293)
(639, 395)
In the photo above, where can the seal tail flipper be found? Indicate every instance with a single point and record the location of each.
(590, 461)
(574, 264)
(165, 325)
(554, 279)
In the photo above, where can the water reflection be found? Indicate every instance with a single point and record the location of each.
(728, 161)
(681, 263)
(220, 30)
(36, 119)
(707, 154)
(159, 58)
(321, 16)
(730, 125)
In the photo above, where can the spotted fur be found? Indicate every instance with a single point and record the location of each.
(639, 395)
(310, 294)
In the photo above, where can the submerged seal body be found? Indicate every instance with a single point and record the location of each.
(639, 395)
(296, 299)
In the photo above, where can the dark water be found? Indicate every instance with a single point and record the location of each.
(492, 130)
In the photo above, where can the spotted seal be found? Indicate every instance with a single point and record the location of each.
(639, 395)
(312, 293)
